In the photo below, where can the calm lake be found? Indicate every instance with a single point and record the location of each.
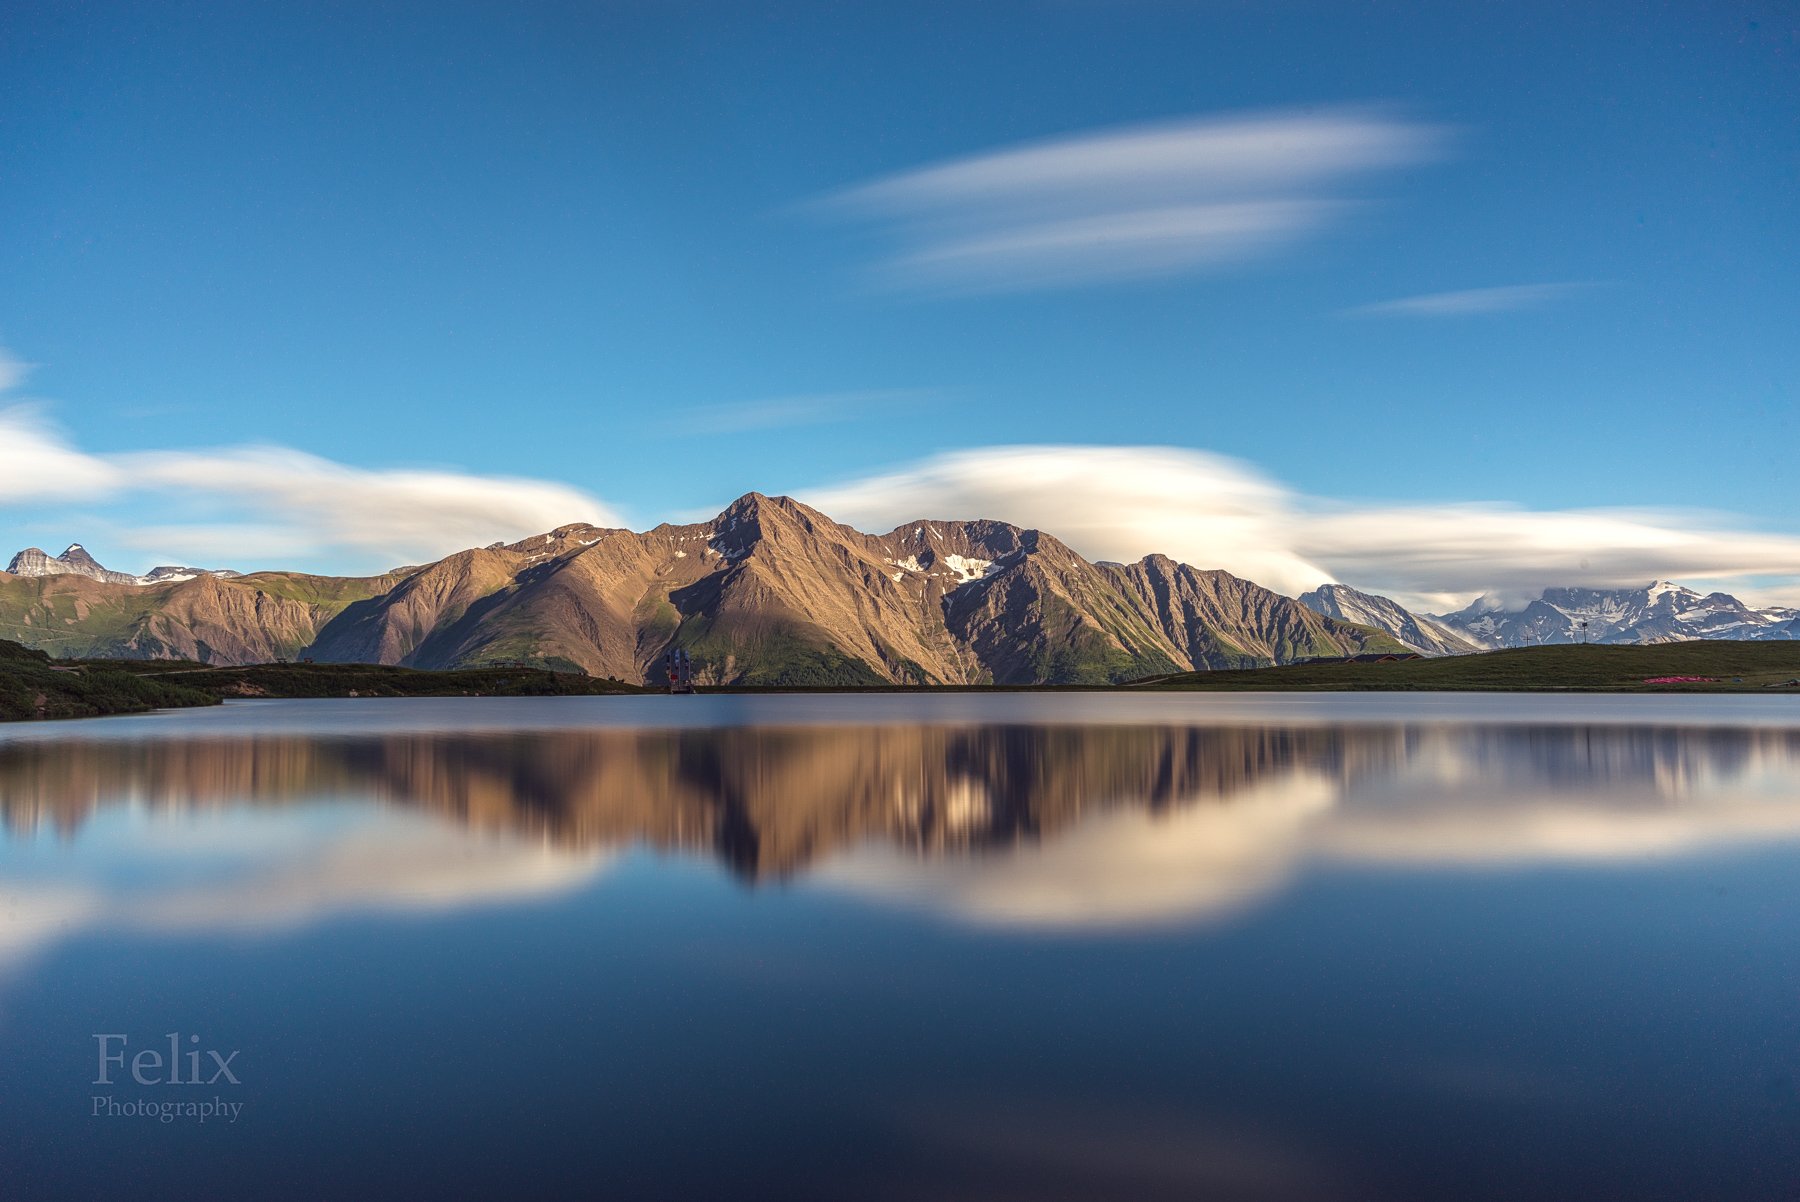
(1030, 946)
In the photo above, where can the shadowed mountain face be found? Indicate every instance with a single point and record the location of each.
(769, 592)
(1222, 621)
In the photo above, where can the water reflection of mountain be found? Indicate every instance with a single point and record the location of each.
(770, 801)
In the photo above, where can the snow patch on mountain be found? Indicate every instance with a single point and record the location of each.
(968, 569)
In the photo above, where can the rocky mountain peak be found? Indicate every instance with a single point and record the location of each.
(755, 506)
(74, 561)
(32, 561)
(556, 542)
(774, 591)
(1417, 631)
(755, 520)
(77, 561)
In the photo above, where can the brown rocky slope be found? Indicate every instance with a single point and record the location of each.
(769, 592)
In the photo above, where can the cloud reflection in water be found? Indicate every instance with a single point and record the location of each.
(1050, 826)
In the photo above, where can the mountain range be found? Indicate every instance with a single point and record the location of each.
(1424, 634)
(774, 592)
(769, 592)
(75, 561)
(1661, 612)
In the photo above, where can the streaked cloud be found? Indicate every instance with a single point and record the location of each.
(1468, 302)
(267, 500)
(806, 409)
(1463, 548)
(13, 370)
(274, 505)
(38, 464)
(1216, 512)
(1134, 202)
(393, 510)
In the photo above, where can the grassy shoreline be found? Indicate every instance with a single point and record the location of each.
(1734, 667)
(32, 685)
(382, 680)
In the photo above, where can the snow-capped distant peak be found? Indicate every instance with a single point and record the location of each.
(1662, 611)
(76, 561)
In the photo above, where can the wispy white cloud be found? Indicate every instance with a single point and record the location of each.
(273, 500)
(1467, 302)
(270, 505)
(1132, 202)
(1466, 547)
(1108, 246)
(13, 370)
(393, 510)
(38, 464)
(808, 409)
(1106, 502)
(1216, 512)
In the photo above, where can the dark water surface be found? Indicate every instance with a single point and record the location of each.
(969, 947)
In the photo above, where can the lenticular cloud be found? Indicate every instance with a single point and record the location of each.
(1132, 202)
(1216, 512)
(263, 501)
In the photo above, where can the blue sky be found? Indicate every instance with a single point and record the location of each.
(652, 255)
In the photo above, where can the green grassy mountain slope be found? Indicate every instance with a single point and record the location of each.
(245, 619)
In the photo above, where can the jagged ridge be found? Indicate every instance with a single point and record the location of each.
(1661, 612)
(1422, 634)
(769, 592)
